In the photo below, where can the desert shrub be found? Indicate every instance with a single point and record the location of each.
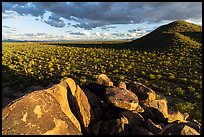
(151, 76)
(179, 91)
(191, 88)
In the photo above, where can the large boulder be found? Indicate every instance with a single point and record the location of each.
(83, 107)
(96, 106)
(178, 129)
(37, 113)
(61, 92)
(143, 93)
(122, 98)
(104, 80)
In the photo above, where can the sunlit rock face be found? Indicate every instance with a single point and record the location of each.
(69, 109)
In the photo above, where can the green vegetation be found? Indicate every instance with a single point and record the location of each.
(175, 71)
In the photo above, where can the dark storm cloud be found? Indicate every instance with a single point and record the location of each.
(55, 21)
(89, 15)
(23, 8)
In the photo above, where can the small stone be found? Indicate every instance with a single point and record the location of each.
(122, 85)
(104, 80)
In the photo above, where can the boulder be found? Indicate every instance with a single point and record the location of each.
(147, 114)
(194, 125)
(96, 106)
(102, 79)
(134, 118)
(155, 129)
(37, 113)
(122, 85)
(176, 115)
(160, 105)
(143, 93)
(122, 98)
(83, 108)
(187, 130)
(178, 129)
(61, 92)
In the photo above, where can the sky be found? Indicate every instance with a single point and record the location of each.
(92, 20)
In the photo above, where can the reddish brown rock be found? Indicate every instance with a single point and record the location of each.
(187, 130)
(122, 98)
(104, 80)
(160, 105)
(61, 93)
(84, 108)
(143, 93)
(178, 129)
(122, 85)
(134, 118)
(36, 113)
(176, 115)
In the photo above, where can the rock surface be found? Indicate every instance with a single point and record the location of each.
(104, 80)
(60, 92)
(144, 93)
(84, 108)
(97, 108)
(37, 113)
(122, 98)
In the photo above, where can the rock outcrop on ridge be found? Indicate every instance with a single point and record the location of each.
(99, 108)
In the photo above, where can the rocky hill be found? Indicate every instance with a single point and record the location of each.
(173, 34)
(98, 108)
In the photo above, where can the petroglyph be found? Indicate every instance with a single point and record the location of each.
(38, 111)
(25, 117)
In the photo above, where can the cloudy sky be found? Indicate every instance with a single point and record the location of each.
(91, 20)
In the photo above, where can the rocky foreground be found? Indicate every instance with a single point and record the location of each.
(99, 108)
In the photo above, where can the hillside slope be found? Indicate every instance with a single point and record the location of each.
(172, 34)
